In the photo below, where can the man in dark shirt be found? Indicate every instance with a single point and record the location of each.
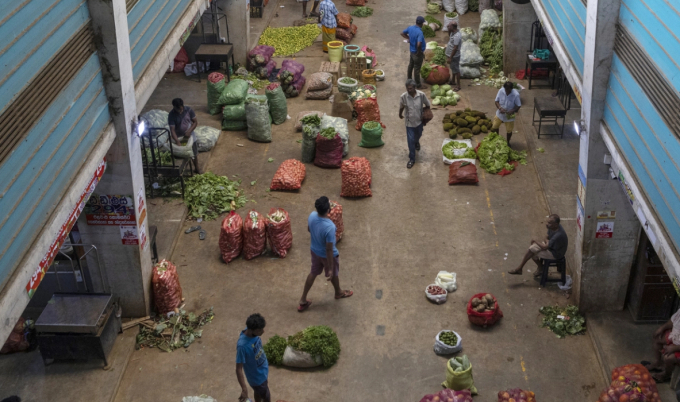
(182, 121)
(553, 247)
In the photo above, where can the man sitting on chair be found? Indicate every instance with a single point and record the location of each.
(553, 247)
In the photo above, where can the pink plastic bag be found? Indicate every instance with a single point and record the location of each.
(293, 67)
(369, 53)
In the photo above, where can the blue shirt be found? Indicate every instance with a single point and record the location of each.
(249, 352)
(415, 35)
(322, 231)
(328, 12)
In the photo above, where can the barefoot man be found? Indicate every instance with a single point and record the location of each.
(553, 247)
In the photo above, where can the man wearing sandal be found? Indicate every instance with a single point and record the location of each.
(304, 8)
(666, 349)
(553, 247)
(453, 55)
(325, 256)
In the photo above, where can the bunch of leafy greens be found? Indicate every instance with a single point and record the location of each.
(570, 321)
(431, 20)
(274, 349)
(495, 154)
(163, 158)
(428, 32)
(328, 133)
(168, 334)
(312, 120)
(439, 56)
(257, 83)
(318, 340)
(425, 70)
(362, 12)
(448, 148)
(371, 125)
(208, 195)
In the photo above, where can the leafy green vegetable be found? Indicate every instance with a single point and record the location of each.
(494, 154)
(274, 349)
(491, 49)
(168, 334)
(428, 32)
(257, 83)
(425, 70)
(312, 120)
(371, 125)
(563, 321)
(252, 183)
(431, 20)
(348, 80)
(328, 133)
(452, 14)
(362, 12)
(317, 340)
(439, 57)
(208, 195)
(163, 158)
(448, 148)
(270, 160)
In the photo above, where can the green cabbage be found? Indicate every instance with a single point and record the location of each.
(435, 101)
(446, 87)
(444, 101)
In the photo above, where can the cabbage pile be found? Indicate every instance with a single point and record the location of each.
(495, 155)
(443, 95)
(448, 148)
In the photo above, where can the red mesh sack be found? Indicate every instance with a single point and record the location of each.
(279, 232)
(167, 292)
(335, 215)
(516, 394)
(299, 84)
(449, 395)
(359, 3)
(344, 20)
(254, 235)
(354, 29)
(367, 110)
(16, 341)
(293, 67)
(215, 77)
(180, 61)
(438, 76)
(486, 318)
(343, 34)
(328, 152)
(625, 393)
(463, 172)
(289, 175)
(231, 237)
(259, 56)
(635, 376)
(356, 178)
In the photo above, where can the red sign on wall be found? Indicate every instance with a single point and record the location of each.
(111, 210)
(605, 230)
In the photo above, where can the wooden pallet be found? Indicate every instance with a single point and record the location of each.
(332, 67)
(355, 66)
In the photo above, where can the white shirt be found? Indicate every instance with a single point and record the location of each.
(413, 108)
(507, 102)
(675, 332)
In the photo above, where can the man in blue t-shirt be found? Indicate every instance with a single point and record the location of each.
(415, 36)
(250, 358)
(325, 256)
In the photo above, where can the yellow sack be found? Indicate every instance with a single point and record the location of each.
(459, 381)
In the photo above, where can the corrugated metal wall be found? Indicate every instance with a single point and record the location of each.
(568, 17)
(39, 170)
(149, 23)
(649, 146)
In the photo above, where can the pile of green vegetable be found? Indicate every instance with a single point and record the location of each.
(257, 83)
(460, 364)
(328, 133)
(348, 80)
(371, 125)
(289, 40)
(491, 49)
(466, 123)
(428, 32)
(448, 148)
(563, 321)
(452, 14)
(443, 95)
(439, 56)
(494, 154)
(431, 20)
(208, 195)
(163, 158)
(168, 334)
(473, 5)
(449, 338)
(362, 12)
(432, 8)
(312, 120)
(425, 70)
(318, 340)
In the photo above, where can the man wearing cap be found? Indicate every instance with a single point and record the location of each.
(415, 36)
(453, 55)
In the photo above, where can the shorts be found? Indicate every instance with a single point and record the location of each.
(455, 65)
(509, 125)
(667, 337)
(319, 265)
(540, 253)
(262, 391)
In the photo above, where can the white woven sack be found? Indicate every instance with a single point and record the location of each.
(439, 299)
(461, 6)
(449, 5)
(448, 285)
(297, 358)
(441, 348)
(448, 20)
(457, 152)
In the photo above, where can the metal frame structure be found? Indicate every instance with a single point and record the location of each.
(154, 168)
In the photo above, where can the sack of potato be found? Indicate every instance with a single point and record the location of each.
(483, 310)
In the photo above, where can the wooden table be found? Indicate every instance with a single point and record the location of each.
(220, 52)
(550, 64)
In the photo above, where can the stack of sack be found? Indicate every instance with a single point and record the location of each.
(470, 60)
(345, 30)
(291, 79)
(320, 86)
(260, 61)
(232, 101)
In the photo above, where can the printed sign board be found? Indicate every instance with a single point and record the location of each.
(113, 210)
(605, 230)
(128, 235)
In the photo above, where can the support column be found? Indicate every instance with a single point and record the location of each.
(127, 267)
(517, 20)
(603, 264)
(238, 17)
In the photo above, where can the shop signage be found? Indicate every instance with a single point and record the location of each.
(64, 230)
(605, 230)
(606, 214)
(578, 94)
(187, 32)
(142, 237)
(141, 207)
(110, 210)
(626, 188)
(128, 235)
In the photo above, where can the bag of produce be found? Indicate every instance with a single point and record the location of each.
(344, 20)
(371, 135)
(289, 175)
(319, 95)
(368, 52)
(300, 359)
(468, 34)
(449, 5)
(516, 394)
(301, 115)
(328, 149)
(367, 110)
(254, 235)
(356, 178)
(235, 92)
(279, 232)
(432, 8)
(434, 74)
(463, 172)
(167, 292)
(449, 395)
(343, 34)
(485, 5)
(206, 138)
(470, 54)
(215, 87)
(263, 72)
(447, 342)
(638, 375)
(257, 116)
(335, 215)
(435, 294)
(446, 280)
(309, 133)
(488, 19)
(278, 106)
(470, 72)
(180, 61)
(234, 112)
(461, 6)
(319, 81)
(340, 126)
(354, 29)
(234, 125)
(483, 310)
(260, 56)
(231, 237)
(459, 375)
(449, 18)
(294, 69)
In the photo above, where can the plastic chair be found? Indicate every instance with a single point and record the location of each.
(561, 266)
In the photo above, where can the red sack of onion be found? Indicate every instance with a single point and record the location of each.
(356, 177)
(279, 232)
(231, 237)
(289, 175)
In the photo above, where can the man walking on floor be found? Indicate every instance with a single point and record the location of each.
(508, 104)
(415, 36)
(328, 21)
(304, 8)
(553, 247)
(251, 359)
(415, 103)
(453, 55)
(325, 256)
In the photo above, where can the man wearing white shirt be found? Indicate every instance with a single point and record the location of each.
(508, 104)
